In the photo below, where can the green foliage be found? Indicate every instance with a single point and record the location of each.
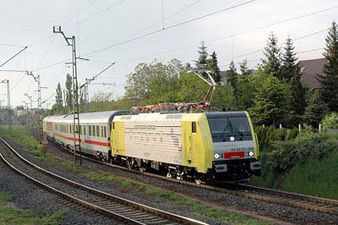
(272, 62)
(291, 73)
(246, 89)
(317, 177)
(316, 110)
(232, 77)
(270, 134)
(271, 102)
(329, 78)
(69, 94)
(285, 155)
(330, 121)
(224, 98)
(213, 66)
(23, 138)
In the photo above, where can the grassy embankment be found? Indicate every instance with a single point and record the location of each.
(22, 137)
(9, 214)
(307, 165)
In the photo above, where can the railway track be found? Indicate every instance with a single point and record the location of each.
(305, 202)
(122, 210)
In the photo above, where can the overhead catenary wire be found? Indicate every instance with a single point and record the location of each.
(169, 27)
(240, 33)
(261, 49)
(165, 18)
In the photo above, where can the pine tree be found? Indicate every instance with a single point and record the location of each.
(316, 110)
(329, 78)
(271, 64)
(202, 62)
(232, 77)
(58, 98)
(213, 66)
(291, 74)
(69, 94)
(245, 71)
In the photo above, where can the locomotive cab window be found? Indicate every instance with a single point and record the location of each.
(193, 127)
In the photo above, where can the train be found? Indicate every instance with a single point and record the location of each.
(204, 147)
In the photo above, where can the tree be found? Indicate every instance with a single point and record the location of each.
(224, 98)
(329, 78)
(316, 110)
(213, 66)
(202, 62)
(247, 87)
(245, 71)
(271, 102)
(58, 98)
(271, 64)
(291, 73)
(232, 77)
(69, 94)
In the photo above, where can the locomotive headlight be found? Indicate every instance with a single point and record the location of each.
(251, 153)
(217, 156)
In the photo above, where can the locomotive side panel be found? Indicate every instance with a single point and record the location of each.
(158, 141)
(150, 137)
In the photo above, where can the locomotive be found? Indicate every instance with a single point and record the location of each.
(205, 147)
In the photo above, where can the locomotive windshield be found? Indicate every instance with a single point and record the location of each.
(225, 127)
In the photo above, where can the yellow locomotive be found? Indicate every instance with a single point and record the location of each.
(201, 146)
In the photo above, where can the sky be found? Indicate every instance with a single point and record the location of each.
(129, 32)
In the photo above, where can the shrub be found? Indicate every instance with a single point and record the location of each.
(285, 154)
(268, 135)
(330, 121)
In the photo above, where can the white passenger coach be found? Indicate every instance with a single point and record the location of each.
(94, 131)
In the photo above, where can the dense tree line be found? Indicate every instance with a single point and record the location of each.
(273, 93)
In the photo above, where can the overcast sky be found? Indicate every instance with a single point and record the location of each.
(98, 24)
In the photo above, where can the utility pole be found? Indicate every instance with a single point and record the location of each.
(76, 115)
(31, 107)
(9, 117)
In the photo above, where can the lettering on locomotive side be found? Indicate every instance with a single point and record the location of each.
(242, 149)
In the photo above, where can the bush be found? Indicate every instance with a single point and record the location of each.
(285, 154)
(268, 135)
(330, 121)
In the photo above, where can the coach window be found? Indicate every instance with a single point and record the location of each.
(90, 130)
(105, 131)
(102, 135)
(80, 129)
(93, 130)
(193, 127)
(84, 130)
(97, 130)
(70, 129)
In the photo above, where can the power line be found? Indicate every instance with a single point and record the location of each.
(259, 50)
(165, 18)
(169, 27)
(240, 33)
(16, 54)
(81, 11)
(10, 45)
(100, 12)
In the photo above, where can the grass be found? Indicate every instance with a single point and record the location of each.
(313, 177)
(11, 215)
(316, 177)
(23, 138)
